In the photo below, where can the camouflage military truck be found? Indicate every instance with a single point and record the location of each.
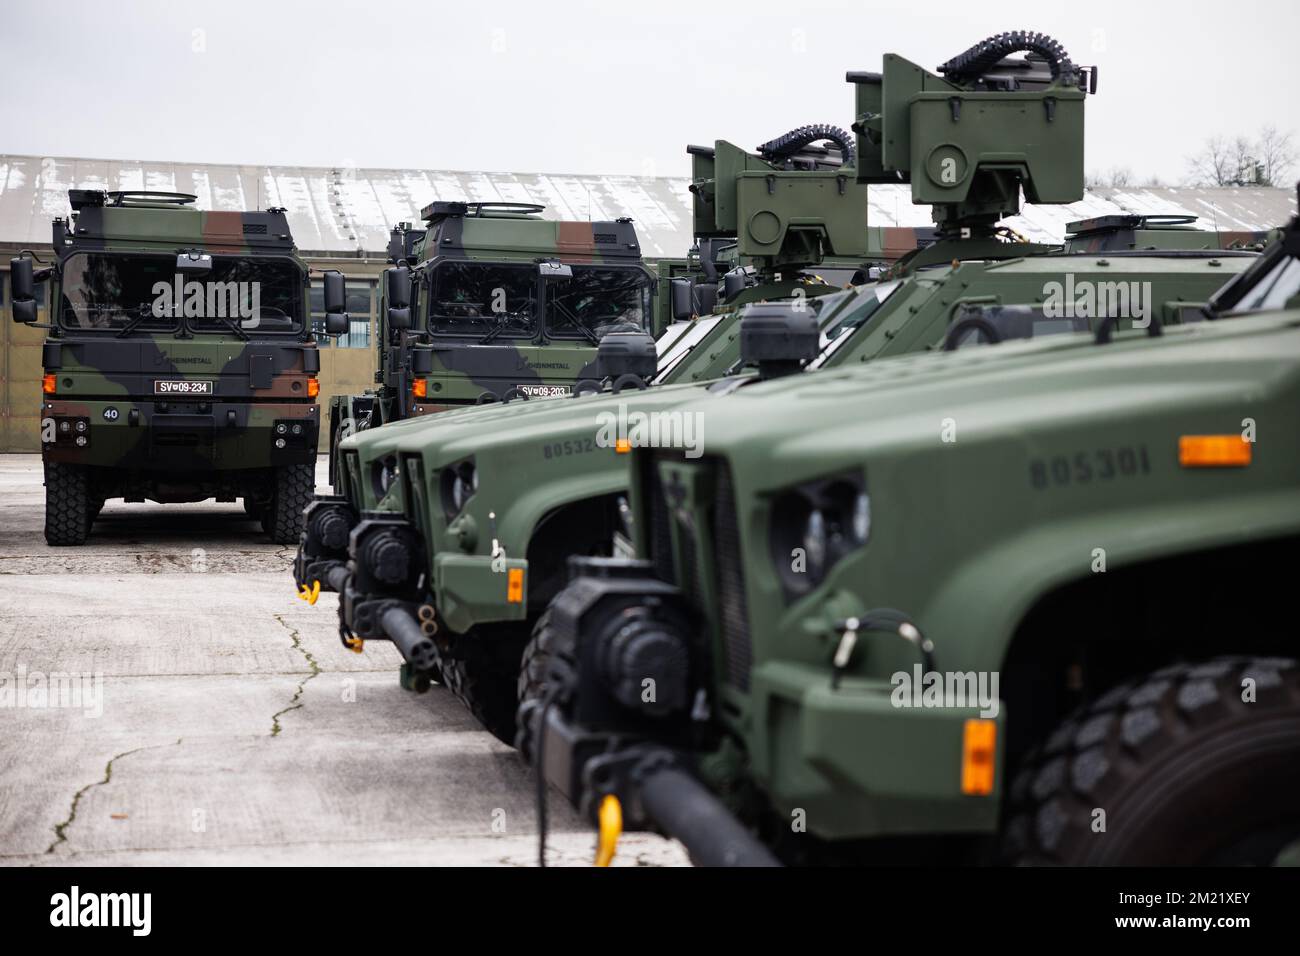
(492, 302)
(1032, 608)
(179, 365)
(573, 499)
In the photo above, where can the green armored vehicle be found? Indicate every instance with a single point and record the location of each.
(491, 302)
(496, 541)
(179, 364)
(1031, 608)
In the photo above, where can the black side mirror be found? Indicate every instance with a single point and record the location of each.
(336, 319)
(193, 264)
(397, 293)
(398, 287)
(22, 290)
(683, 299)
(335, 294)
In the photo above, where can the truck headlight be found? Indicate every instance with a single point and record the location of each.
(814, 525)
(384, 473)
(459, 482)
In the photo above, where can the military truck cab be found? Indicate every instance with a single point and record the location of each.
(491, 302)
(179, 363)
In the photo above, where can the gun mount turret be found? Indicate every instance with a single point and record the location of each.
(971, 141)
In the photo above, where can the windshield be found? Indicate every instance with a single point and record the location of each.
(261, 295)
(482, 298)
(834, 336)
(106, 292)
(596, 301)
(1276, 289)
(684, 344)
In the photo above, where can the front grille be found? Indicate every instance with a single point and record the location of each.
(352, 479)
(660, 530)
(414, 498)
(729, 583)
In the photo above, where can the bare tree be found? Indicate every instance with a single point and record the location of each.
(1276, 151)
(1240, 161)
(1212, 166)
(1121, 177)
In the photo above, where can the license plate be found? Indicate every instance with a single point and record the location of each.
(171, 387)
(545, 391)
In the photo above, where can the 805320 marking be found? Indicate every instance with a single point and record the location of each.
(1086, 467)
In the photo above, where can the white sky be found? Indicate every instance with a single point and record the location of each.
(590, 87)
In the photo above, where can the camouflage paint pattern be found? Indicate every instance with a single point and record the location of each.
(193, 443)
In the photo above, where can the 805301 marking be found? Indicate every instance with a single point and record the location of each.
(1086, 467)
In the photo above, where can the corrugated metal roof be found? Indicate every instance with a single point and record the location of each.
(346, 210)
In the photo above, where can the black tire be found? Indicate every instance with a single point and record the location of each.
(535, 661)
(67, 504)
(294, 487)
(252, 508)
(482, 672)
(1185, 770)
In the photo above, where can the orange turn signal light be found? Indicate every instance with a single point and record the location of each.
(515, 586)
(313, 388)
(420, 388)
(48, 384)
(979, 747)
(1213, 451)
(622, 446)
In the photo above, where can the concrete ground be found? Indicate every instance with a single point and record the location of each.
(233, 728)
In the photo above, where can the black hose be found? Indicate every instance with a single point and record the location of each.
(411, 642)
(687, 811)
(783, 147)
(337, 577)
(979, 59)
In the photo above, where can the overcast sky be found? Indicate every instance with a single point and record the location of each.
(590, 87)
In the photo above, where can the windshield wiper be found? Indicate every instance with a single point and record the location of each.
(143, 311)
(573, 320)
(503, 323)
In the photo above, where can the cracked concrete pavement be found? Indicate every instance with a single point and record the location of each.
(235, 729)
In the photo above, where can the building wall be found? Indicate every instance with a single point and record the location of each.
(343, 370)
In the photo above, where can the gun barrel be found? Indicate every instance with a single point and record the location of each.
(409, 638)
(687, 811)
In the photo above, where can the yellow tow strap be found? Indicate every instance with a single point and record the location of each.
(611, 827)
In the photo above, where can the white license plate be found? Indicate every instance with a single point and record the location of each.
(545, 391)
(170, 387)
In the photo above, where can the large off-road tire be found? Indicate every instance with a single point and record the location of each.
(67, 504)
(482, 671)
(1181, 767)
(535, 662)
(294, 488)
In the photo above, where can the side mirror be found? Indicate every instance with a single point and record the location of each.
(683, 299)
(335, 293)
(422, 362)
(399, 319)
(21, 283)
(336, 323)
(397, 287)
(193, 263)
(22, 290)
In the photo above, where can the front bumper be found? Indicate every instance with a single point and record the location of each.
(472, 589)
(169, 435)
(859, 764)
